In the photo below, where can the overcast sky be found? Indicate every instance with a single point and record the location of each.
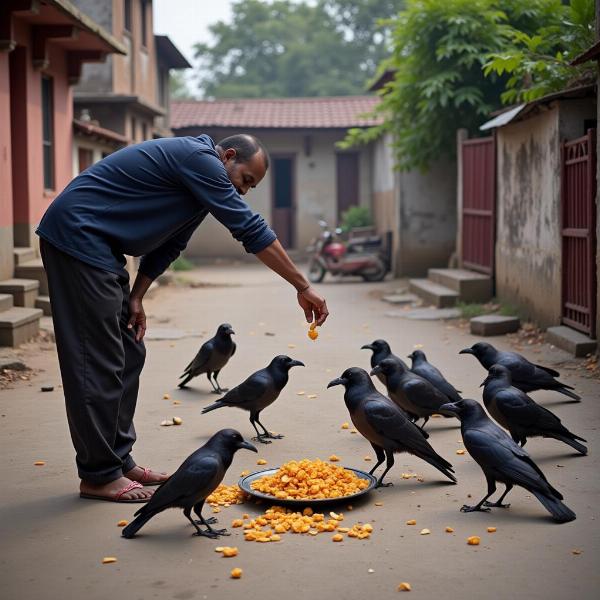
(186, 21)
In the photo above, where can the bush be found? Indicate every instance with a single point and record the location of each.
(181, 263)
(356, 216)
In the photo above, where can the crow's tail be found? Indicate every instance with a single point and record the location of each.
(441, 464)
(136, 525)
(212, 406)
(560, 512)
(563, 389)
(570, 439)
(183, 383)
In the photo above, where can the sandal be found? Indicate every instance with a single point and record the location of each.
(134, 485)
(145, 476)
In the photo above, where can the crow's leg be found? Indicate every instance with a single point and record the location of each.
(498, 503)
(215, 389)
(491, 483)
(268, 434)
(208, 533)
(388, 465)
(206, 522)
(260, 437)
(215, 375)
(425, 419)
(380, 457)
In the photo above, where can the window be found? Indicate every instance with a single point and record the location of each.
(127, 15)
(133, 129)
(143, 5)
(144, 131)
(85, 157)
(48, 131)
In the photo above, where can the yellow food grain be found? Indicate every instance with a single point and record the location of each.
(404, 587)
(368, 458)
(460, 452)
(237, 523)
(338, 537)
(311, 396)
(39, 463)
(576, 551)
(166, 397)
(449, 530)
(334, 458)
(425, 532)
(473, 540)
(261, 461)
(313, 334)
(244, 473)
(306, 479)
(411, 522)
(353, 431)
(378, 503)
(236, 573)
(229, 552)
(109, 559)
(226, 495)
(122, 523)
(491, 530)
(345, 426)
(177, 420)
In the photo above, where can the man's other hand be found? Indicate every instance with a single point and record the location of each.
(137, 318)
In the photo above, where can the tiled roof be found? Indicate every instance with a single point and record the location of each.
(283, 113)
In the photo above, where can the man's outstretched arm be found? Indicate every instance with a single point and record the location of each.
(277, 259)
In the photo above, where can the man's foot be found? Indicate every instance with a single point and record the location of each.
(146, 476)
(112, 491)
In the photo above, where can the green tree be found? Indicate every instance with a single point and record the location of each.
(439, 49)
(283, 48)
(178, 86)
(539, 63)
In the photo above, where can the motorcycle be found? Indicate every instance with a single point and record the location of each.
(361, 256)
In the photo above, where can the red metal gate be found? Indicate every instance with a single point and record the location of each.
(479, 204)
(578, 197)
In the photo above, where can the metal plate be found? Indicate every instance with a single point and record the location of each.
(244, 484)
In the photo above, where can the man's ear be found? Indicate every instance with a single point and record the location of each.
(229, 154)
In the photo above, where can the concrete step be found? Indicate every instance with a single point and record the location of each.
(433, 293)
(571, 341)
(23, 254)
(18, 325)
(487, 325)
(470, 286)
(43, 302)
(6, 302)
(23, 291)
(33, 269)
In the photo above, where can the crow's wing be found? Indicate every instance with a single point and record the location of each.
(201, 358)
(389, 421)
(521, 410)
(494, 450)
(233, 348)
(435, 377)
(248, 391)
(196, 476)
(548, 370)
(422, 393)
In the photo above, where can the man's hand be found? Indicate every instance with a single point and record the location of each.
(314, 307)
(137, 318)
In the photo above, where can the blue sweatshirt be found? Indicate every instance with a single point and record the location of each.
(147, 200)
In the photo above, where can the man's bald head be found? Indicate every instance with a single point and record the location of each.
(246, 160)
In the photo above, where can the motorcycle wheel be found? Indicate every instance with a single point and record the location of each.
(316, 271)
(376, 273)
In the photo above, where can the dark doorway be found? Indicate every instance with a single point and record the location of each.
(347, 181)
(283, 199)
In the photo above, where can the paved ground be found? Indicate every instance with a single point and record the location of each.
(53, 542)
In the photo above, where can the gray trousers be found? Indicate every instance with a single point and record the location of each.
(100, 362)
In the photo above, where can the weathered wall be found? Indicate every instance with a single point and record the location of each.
(315, 190)
(528, 254)
(528, 248)
(6, 209)
(427, 219)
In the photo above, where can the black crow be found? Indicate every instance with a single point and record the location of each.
(381, 349)
(258, 391)
(421, 367)
(384, 424)
(410, 391)
(194, 480)
(213, 355)
(501, 459)
(518, 413)
(526, 376)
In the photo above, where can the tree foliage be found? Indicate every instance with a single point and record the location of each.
(455, 60)
(285, 48)
(539, 63)
(178, 87)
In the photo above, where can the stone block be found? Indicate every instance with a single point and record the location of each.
(487, 325)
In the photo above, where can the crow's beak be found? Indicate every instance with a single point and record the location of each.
(247, 445)
(231, 332)
(449, 407)
(467, 351)
(297, 363)
(486, 380)
(411, 355)
(366, 347)
(338, 381)
(375, 370)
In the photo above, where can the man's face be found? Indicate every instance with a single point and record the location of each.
(244, 175)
